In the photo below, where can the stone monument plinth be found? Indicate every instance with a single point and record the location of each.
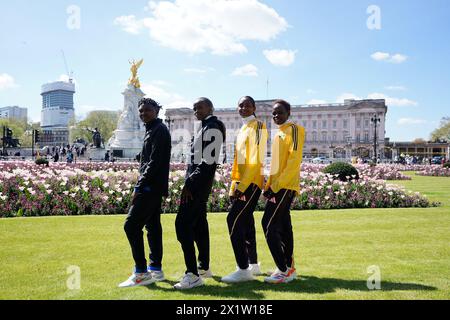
(96, 154)
(127, 140)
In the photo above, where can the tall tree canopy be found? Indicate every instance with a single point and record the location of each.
(443, 132)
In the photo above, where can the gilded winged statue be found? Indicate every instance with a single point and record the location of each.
(134, 80)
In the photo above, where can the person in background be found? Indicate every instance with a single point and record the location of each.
(107, 157)
(69, 156)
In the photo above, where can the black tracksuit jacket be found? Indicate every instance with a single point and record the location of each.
(155, 160)
(200, 176)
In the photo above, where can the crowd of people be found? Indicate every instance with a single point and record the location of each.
(412, 160)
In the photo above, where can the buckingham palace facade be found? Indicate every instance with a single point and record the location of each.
(338, 131)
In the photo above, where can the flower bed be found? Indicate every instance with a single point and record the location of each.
(323, 191)
(381, 172)
(435, 171)
(30, 190)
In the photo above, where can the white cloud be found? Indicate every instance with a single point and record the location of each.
(387, 57)
(410, 121)
(248, 70)
(398, 58)
(161, 83)
(311, 91)
(316, 101)
(7, 82)
(393, 102)
(396, 88)
(198, 70)
(165, 98)
(196, 26)
(390, 101)
(130, 24)
(380, 56)
(278, 57)
(347, 96)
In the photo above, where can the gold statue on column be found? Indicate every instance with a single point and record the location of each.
(134, 80)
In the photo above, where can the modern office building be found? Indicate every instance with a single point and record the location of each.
(57, 111)
(14, 112)
(338, 131)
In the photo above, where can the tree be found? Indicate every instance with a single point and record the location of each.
(419, 141)
(443, 132)
(21, 130)
(105, 121)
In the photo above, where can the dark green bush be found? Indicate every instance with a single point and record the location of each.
(447, 165)
(343, 170)
(41, 161)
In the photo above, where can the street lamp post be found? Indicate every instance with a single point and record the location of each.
(375, 120)
(332, 147)
(349, 147)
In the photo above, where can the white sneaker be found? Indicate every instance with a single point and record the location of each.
(239, 275)
(205, 274)
(256, 269)
(279, 277)
(292, 273)
(138, 279)
(157, 275)
(189, 281)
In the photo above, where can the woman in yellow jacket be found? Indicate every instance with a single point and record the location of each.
(281, 188)
(247, 182)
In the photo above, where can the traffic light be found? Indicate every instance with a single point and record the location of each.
(37, 137)
(9, 133)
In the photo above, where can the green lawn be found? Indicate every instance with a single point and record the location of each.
(333, 251)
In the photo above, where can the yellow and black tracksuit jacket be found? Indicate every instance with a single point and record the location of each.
(287, 154)
(249, 156)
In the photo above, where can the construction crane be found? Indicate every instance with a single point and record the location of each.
(69, 73)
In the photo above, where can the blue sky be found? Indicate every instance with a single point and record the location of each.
(221, 49)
